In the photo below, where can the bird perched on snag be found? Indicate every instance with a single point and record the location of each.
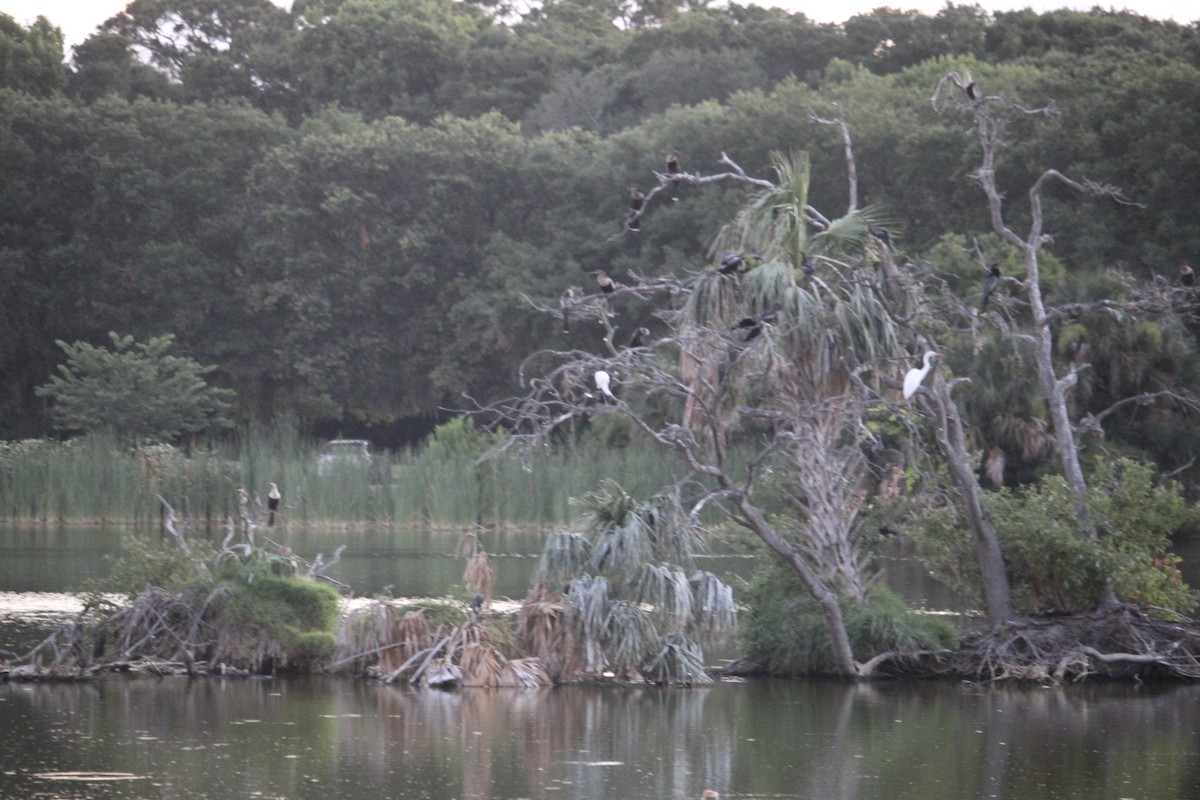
(637, 199)
(273, 498)
(673, 169)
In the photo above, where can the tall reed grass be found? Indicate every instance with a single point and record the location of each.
(95, 480)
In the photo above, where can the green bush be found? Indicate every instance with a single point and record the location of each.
(1052, 565)
(783, 630)
(142, 562)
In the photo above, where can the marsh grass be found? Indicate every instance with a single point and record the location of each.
(94, 480)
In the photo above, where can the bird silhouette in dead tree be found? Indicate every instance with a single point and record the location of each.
(565, 301)
(673, 169)
(637, 199)
(607, 287)
(989, 286)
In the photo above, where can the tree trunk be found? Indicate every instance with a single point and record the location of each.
(950, 440)
(843, 655)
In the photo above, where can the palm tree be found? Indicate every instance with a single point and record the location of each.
(800, 380)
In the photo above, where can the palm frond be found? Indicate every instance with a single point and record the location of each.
(564, 554)
(715, 613)
(667, 591)
(633, 634)
(679, 660)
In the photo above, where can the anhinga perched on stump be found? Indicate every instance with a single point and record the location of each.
(273, 498)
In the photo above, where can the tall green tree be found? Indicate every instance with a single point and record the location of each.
(137, 391)
(31, 59)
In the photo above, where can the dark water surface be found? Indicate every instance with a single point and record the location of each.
(331, 739)
(342, 739)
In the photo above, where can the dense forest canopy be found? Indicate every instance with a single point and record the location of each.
(353, 207)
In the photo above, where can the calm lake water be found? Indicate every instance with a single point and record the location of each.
(347, 739)
(810, 740)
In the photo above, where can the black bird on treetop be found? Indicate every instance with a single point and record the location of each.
(754, 325)
(565, 300)
(637, 199)
(1187, 276)
(881, 233)
(989, 286)
(639, 336)
(731, 263)
(673, 169)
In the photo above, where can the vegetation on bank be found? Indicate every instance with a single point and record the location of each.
(446, 481)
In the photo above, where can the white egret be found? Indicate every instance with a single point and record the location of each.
(915, 375)
(603, 381)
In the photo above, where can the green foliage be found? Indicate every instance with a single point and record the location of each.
(783, 631)
(143, 562)
(137, 391)
(31, 59)
(273, 605)
(1052, 566)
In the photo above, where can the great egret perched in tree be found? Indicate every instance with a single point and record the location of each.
(273, 498)
(603, 381)
(915, 375)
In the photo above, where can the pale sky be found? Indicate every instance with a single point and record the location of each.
(79, 18)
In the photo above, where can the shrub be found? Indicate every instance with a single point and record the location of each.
(783, 631)
(1052, 565)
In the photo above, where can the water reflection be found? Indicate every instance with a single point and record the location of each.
(317, 738)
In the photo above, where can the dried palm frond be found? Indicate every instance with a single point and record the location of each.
(480, 664)
(480, 576)
(539, 621)
(525, 673)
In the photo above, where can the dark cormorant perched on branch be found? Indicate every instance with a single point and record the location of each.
(565, 300)
(731, 263)
(607, 286)
(989, 286)
(639, 336)
(754, 325)
(673, 169)
(1187, 275)
(637, 198)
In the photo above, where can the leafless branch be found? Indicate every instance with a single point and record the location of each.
(851, 169)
